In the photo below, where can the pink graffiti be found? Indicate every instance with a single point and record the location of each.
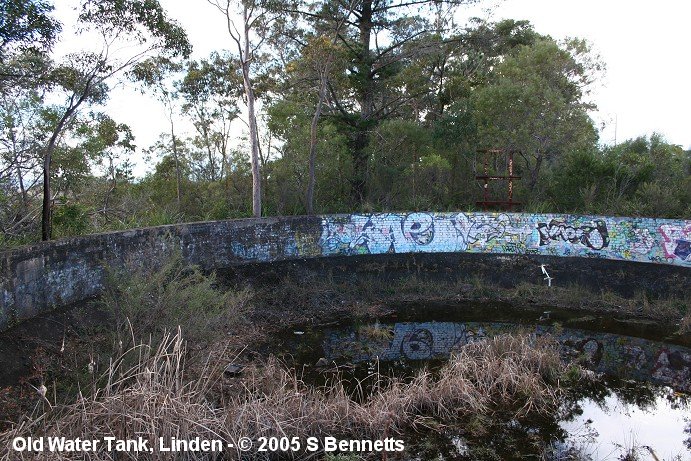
(676, 241)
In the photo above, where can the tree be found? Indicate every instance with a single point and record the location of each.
(320, 56)
(380, 37)
(27, 33)
(154, 73)
(535, 104)
(643, 176)
(290, 120)
(248, 33)
(449, 71)
(173, 168)
(20, 165)
(26, 24)
(210, 90)
(82, 79)
(315, 67)
(383, 65)
(307, 75)
(109, 144)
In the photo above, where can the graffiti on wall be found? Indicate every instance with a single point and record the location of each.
(642, 241)
(481, 229)
(634, 239)
(593, 235)
(677, 241)
(412, 232)
(418, 345)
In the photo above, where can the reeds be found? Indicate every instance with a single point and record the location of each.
(153, 399)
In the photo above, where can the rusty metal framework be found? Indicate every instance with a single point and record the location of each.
(487, 176)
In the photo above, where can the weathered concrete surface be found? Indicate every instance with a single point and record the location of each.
(41, 277)
(624, 278)
(45, 276)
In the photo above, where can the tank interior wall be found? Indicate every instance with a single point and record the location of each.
(41, 277)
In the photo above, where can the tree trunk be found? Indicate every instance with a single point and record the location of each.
(313, 146)
(366, 99)
(22, 188)
(177, 160)
(207, 143)
(47, 211)
(534, 173)
(20, 176)
(46, 214)
(256, 178)
(114, 183)
(359, 181)
(252, 120)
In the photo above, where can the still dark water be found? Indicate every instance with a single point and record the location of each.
(640, 405)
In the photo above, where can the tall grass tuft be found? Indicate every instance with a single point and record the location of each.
(153, 398)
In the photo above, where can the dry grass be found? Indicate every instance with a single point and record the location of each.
(376, 332)
(153, 399)
(149, 398)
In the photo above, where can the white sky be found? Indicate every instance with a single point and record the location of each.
(644, 44)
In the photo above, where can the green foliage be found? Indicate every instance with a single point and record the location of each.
(642, 176)
(534, 105)
(399, 124)
(409, 172)
(70, 219)
(286, 192)
(210, 89)
(148, 303)
(26, 25)
(143, 20)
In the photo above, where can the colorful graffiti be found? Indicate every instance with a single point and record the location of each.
(634, 239)
(617, 355)
(677, 241)
(642, 241)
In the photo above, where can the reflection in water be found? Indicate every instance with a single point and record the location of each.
(609, 427)
(615, 355)
(629, 411)
(613, 418)
(607, 420)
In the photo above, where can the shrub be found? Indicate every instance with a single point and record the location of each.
(177, 294)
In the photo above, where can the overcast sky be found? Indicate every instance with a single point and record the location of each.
(644, 44)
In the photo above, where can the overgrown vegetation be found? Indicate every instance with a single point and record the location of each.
(344, 125)
(140, 378)
(156, 398)
(148, 303)
(138, 304)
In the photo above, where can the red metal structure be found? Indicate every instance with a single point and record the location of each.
(486, 203)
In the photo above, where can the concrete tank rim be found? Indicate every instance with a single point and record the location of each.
(268, 219)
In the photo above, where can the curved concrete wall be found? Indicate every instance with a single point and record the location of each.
(41, 277)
